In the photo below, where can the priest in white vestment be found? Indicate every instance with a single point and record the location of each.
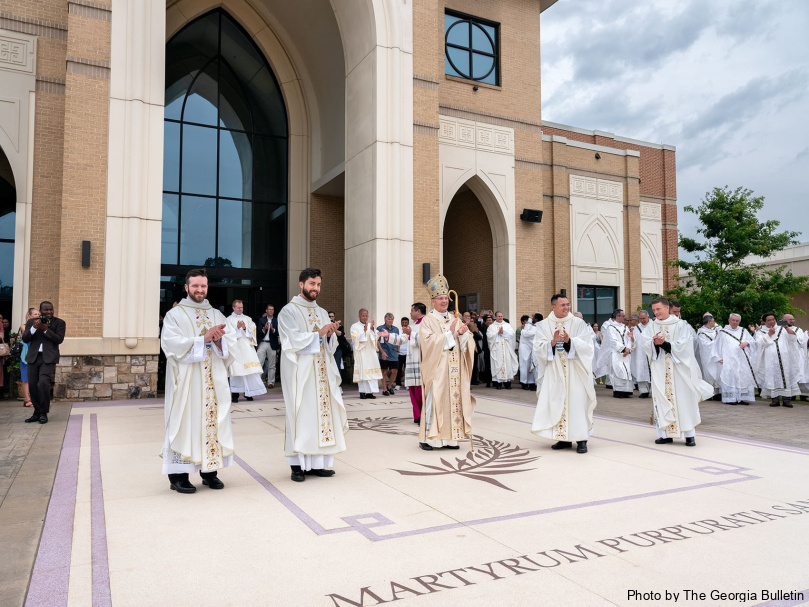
(502, 349)
(706, 338)
(803, 355)
(779, 367)
(677, 385)
(197, 343)
(639, 363)
(564, 349)
(316, 421)
(245, 370)
(735, 353)
(367, 370)
(528, 359)
(616, 348)
(447, 360)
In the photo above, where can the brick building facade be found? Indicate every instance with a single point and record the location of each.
(394, 153)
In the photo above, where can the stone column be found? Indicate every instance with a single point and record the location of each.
(378, 42)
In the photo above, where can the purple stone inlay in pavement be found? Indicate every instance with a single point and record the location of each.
(51, 574)
(102, 596)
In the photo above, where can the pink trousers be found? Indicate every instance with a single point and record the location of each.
(415, 399)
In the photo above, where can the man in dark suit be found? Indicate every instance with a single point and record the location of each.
(268, 343)
(43, 336)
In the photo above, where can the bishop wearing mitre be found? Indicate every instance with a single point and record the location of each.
(564, 350)
(245, 370)
(447, 360)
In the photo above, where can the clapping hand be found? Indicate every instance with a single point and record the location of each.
(383, 334)
(771, 332)
(407, 330)
(500, 331)
(241, 325)
(215, 333)
(329, 329)
(658, 339)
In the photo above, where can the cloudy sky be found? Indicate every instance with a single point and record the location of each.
(725, 81)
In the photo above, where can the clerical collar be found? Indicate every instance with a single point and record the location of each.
(671, 320)
(553, 316)
(190, 303)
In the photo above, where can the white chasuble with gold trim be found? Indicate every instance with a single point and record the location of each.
(316, 420)
(197, 410)
(566, 398)
(677, 384)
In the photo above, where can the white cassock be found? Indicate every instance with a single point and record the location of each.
(245, 370)
(736, 375)
(199, 435)
(706, 338)
(803, 347)
(502, 349)
(316, 420)
(614, 340)
(367, 371)
(528, 360)
(677, 385)
(779, 365)
(693, 334)
(599, 360)
(639, 365)
(566, 398)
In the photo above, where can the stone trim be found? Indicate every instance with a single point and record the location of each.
(425, 128)
(489, 118)
(87, 8)
(528, 164)
(608, 135)
(50, 85)
(425, 82)
(34, 27)
(107, 377)
(87, 67)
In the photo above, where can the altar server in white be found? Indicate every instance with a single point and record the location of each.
(197, 343)
(367, 370)
(706, 340)
(245, 370)
(677, 385)
(735, 353)
(528, 360)
(502, 347)
(779, 366)
(564, 349)
(616, 348)
(316, 420)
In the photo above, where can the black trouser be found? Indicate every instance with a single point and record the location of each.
(40, 382)
(402, 365)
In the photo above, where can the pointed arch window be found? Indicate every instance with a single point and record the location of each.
(225, 176)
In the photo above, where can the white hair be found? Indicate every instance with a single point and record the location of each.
(739, 316)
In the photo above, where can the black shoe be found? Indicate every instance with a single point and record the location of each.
(805, 398)
(643, 395)
(498, 385)
(320, 472)
(385, 393)
(787, 403)
(581, 446)
(742, 402)
(775, 403)
(425, 446)
(297, 474)
(210, 479)
(417, 421)
(181, 484)
(248, 398)
(43, 417)
(562, 445)
(732, 404)
(616, 394)
(370, 396)
(717, 397)
(608, 387)
(533, 387)
(525, 387)
(664, 441)
(33, 418)
(450, 446)
(363, 396)
(508, 385)
(690, 441)
(234, 397)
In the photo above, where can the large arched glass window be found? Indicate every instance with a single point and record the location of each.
(225, 161)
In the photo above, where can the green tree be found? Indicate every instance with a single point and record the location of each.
(719, 281)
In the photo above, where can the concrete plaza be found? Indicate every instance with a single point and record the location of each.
(87, 518)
